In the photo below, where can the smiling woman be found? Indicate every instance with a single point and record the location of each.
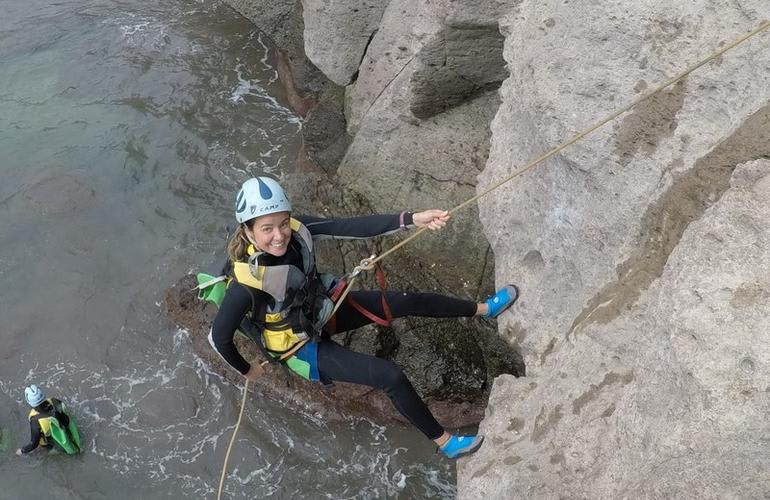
(277, 296)
(263, 210)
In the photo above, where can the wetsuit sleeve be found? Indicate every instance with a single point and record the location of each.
(35, 435)
(367, 226)
(235, 305)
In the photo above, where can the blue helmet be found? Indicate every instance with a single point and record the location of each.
(260, 196)
(34, 395)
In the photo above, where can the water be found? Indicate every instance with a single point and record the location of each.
(124, 128)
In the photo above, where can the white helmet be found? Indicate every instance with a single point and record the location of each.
(260, 196)
(34, 395)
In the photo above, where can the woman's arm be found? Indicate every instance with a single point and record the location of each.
(369, 226)
(366, 226)
(34, 440)
(235, 305)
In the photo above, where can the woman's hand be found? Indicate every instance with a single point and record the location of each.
(18, 452)
(254, 372)
(432, 219)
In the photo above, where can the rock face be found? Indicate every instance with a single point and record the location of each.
(338, 33)
(641, 251)
(642, 254)
(425, 58)
(669, 399)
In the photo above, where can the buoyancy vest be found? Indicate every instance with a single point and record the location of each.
(301, 305)
(52, 431)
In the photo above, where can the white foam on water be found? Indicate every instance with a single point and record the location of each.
(399, 478)
(140, 32)
(130, 30)
(252, 87)
(245, 86)
(90, 394)
(256, 36)
(430, 477)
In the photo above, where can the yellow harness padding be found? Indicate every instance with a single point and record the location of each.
(45, 426)
(278, 334)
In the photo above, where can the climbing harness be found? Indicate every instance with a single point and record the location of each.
(339, 295)
(370, 262)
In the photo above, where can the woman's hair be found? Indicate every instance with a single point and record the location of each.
(239, 243)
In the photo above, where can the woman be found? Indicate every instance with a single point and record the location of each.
(276, 287)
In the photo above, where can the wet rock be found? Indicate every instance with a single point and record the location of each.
(434, 55)
(309, 92)
(457, 63)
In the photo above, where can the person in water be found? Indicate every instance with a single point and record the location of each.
(276, 288)
(50, 424)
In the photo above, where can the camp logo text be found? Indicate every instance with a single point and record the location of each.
(264, 209)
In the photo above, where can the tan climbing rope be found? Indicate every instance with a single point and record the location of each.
(368, 264)
(232, 440)
(560, 147)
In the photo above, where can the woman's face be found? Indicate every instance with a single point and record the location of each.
(271, 233)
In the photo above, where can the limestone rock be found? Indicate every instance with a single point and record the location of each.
(641, 253)
(397, 165)
(610, 209)
(337, 34)
(669, 400)
(444, 52)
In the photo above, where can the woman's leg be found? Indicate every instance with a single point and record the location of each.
(431, 305)
(343, 365)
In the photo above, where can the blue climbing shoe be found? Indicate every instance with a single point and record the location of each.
(458, 446)
(502, 300)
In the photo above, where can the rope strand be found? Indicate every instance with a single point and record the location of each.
(232, 440)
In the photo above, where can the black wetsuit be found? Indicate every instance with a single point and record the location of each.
(44, 410)
(337, 363)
